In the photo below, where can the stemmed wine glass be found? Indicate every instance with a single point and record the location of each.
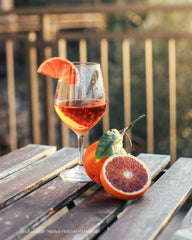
(80, 107)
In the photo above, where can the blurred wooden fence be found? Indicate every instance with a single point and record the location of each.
(40, 43)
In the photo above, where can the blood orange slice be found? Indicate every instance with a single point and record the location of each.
(60, 68)
(125, 177)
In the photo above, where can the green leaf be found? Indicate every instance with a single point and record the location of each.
(110, 143)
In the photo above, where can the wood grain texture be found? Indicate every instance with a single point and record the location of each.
(35, 175)
(155, 162)
(147, 216)
(185, 230)
(27, 213)
(96, 212)
(15, 161)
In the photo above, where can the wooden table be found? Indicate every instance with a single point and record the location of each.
(36, 204)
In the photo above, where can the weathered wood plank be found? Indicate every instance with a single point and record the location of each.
(184, 232)
(15, 161)
(154, 210)
(35, 175)
(97, 211)
(155, 162)
(21, 217)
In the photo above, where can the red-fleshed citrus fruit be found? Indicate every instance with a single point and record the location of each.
(92, 167)
(60, 68)
(125, 176)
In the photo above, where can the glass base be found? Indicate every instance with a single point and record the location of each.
(75, 174)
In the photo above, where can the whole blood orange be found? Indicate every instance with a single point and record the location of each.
(60, 68)
(125, 176)
(92, 167)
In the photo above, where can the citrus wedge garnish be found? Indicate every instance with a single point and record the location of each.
(60, 68)
(125, 176)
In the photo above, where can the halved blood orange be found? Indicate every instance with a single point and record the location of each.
(60, 68)
(92, 167)
(125, 176)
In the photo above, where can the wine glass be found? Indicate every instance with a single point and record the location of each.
(80, 106)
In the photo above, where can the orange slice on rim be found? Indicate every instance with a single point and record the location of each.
(60, 68)
(125, 177)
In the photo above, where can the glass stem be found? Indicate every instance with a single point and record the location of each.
(80, 148)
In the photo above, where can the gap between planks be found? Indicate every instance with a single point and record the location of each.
(21, 158)
(97, 211)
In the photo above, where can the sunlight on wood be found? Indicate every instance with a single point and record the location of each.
(127, 87)
(149, 94)
(172, 99)
(104, 67)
